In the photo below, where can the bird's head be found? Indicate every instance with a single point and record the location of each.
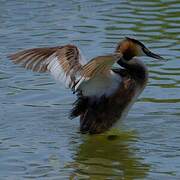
(131, 47)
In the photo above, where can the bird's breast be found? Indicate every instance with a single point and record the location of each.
(101, 85)
(128, 100)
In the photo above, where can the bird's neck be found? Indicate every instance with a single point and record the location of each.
(136, 68)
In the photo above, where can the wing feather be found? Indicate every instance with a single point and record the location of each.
(97, 78)
(63, 62)
(94, 67)
(66, 64)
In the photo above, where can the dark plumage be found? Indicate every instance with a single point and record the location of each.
(96, 114)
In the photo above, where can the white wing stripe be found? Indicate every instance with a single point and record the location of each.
(56, 70)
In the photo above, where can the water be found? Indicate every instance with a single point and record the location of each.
(37, 140)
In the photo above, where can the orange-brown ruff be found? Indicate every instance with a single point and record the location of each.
(104, 94)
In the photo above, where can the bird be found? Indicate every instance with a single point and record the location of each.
(104, 93)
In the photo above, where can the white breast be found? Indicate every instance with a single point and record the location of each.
(101, 85)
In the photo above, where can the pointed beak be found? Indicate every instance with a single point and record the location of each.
(151, 54)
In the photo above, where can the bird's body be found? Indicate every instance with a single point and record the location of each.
(100, 112)
(104, 95)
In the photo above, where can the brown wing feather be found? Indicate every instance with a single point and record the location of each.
(100, 64)
(34, 58)
(69, 59)
(63, 62)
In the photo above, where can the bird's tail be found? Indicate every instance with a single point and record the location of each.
(80, 106)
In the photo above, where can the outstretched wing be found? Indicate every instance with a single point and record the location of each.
(97, 78)
(67, 65)
(63, 62)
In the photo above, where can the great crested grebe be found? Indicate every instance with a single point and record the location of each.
(104, 94)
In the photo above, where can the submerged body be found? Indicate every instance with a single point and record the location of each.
(104, 94)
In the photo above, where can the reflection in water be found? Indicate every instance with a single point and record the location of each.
(109, 156)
